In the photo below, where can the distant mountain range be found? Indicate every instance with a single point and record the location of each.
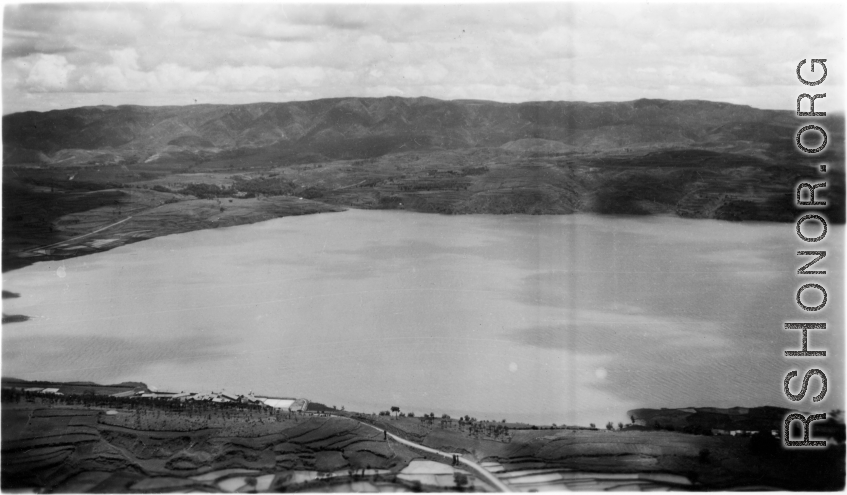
(347, 128)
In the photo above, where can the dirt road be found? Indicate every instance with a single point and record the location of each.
(476, 467)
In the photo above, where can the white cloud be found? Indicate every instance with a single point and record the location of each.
(48, 73)
(174, 78)
(740, 53)
(126, 59)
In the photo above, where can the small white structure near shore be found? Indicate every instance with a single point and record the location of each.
(285, 404)
(279, 403)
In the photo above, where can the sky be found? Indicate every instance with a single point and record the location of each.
(68, 55)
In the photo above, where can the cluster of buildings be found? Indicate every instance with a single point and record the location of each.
(285, 404)
(37, 390)
(280, 403)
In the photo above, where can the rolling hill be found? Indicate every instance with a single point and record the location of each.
(367, 127)
(70, 173)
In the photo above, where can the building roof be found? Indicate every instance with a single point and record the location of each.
(128, 393)
(49, 390)
(279, 403)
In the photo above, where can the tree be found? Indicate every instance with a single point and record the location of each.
(395, 409)
(593, 425)
(620, 426)
(410, 414)
(632, 418)
(610, 426)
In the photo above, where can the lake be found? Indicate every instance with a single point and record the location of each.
(551, 319)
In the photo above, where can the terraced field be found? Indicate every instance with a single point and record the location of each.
(143, 448)
(583, 459)
(77, 449)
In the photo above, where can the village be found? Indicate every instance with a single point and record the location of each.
(487, 429)
(276, 403)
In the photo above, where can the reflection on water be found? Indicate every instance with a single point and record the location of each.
(556, 319)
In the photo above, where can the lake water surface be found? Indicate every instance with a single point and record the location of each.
(555, 319)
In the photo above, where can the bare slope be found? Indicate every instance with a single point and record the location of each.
(94, 178)
(368, 127)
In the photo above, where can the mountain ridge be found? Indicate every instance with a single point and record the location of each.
(89, 179)
(358, 127)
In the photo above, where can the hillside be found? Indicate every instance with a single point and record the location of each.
(735, 418)
(75, 387)
(93, 443)
(87, 179)
(348, 128)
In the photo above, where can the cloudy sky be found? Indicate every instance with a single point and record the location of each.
(68, 55)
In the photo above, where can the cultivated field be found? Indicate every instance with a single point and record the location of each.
(57, 212)
(96, 443)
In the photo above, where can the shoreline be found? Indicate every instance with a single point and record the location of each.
(14, 261)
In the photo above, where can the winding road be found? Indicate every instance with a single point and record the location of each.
(79, 236)
(476, 467)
